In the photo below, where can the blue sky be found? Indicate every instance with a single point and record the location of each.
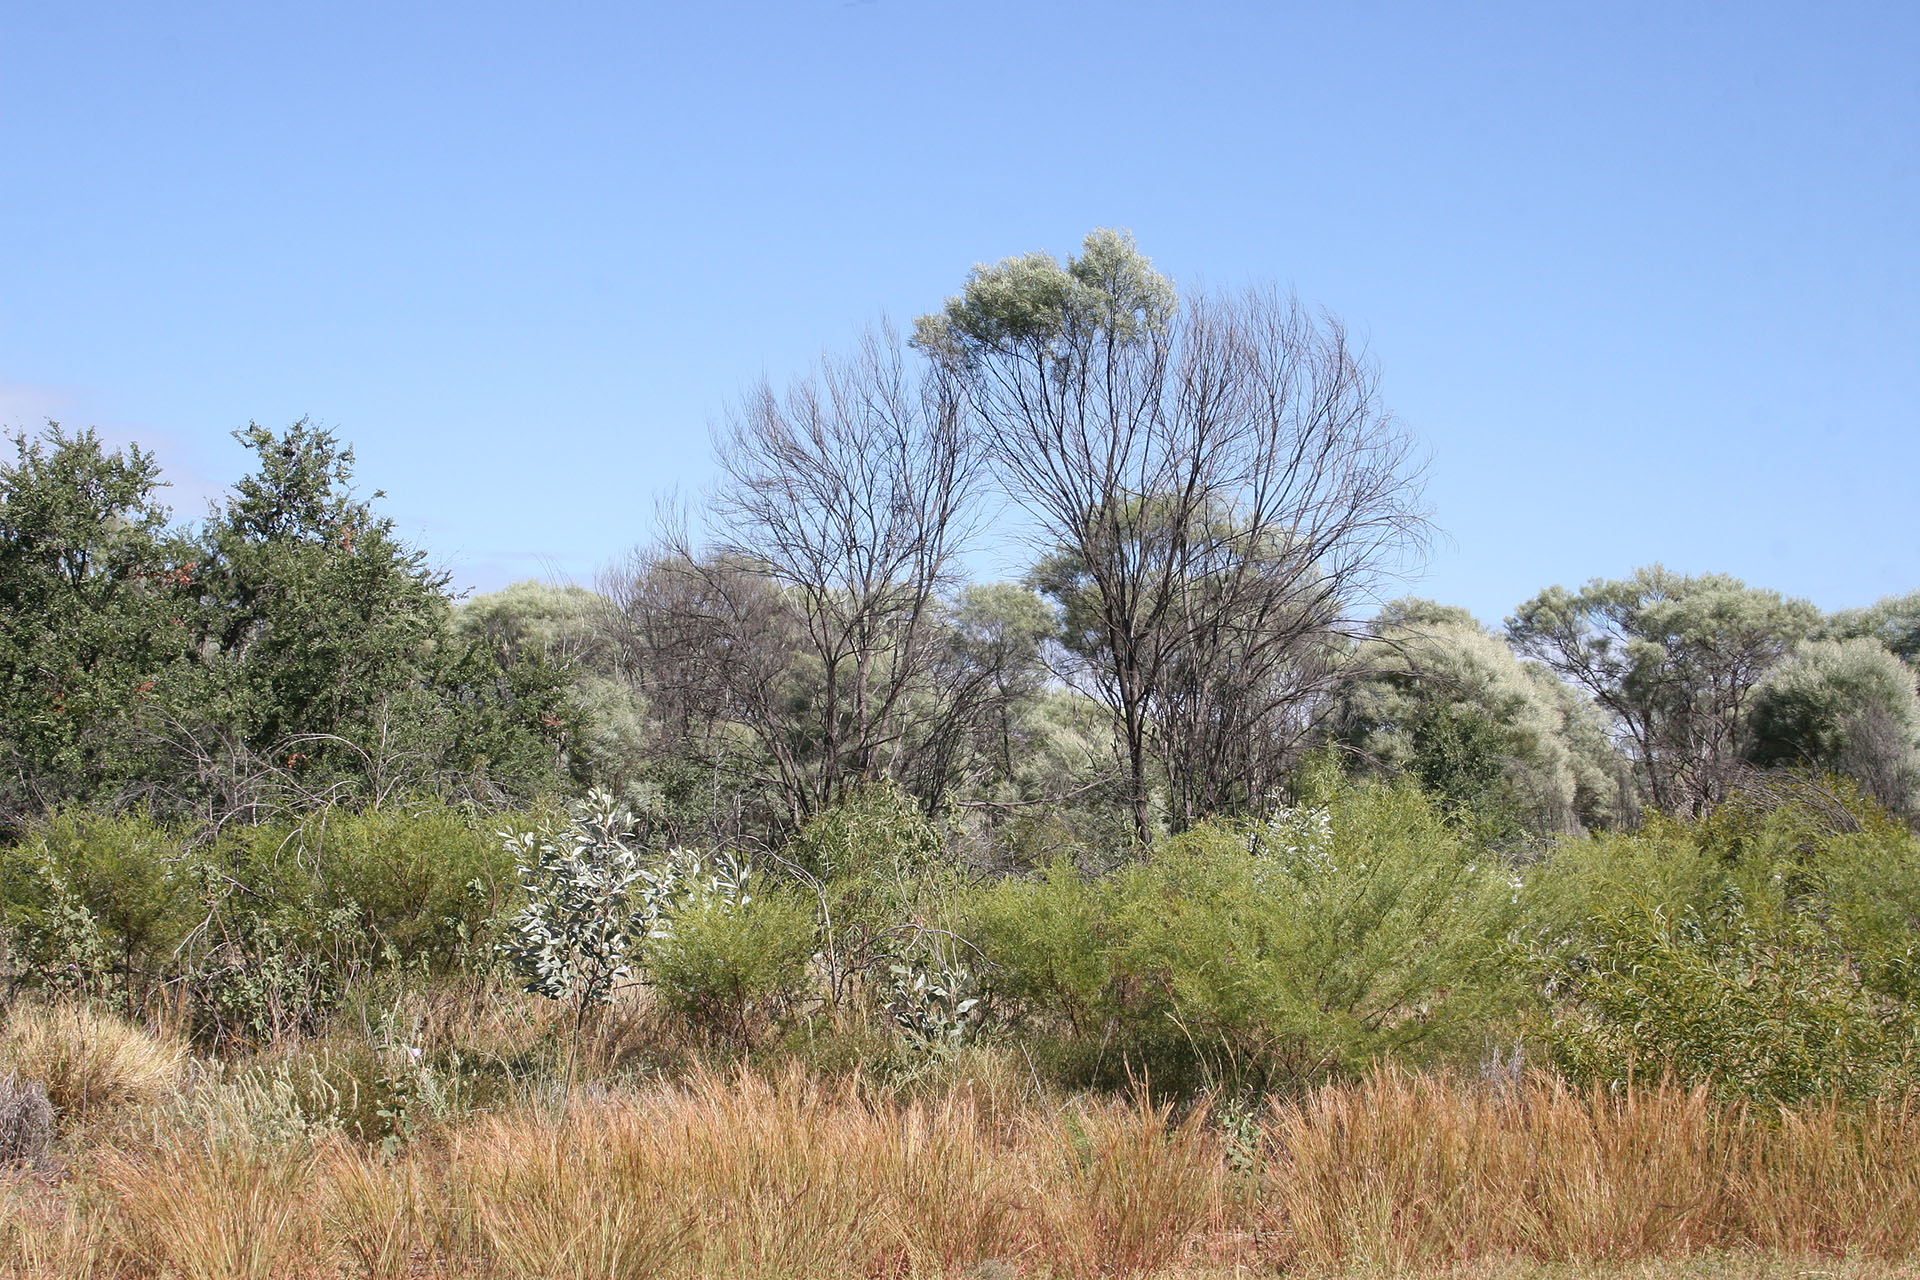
(1644, 278)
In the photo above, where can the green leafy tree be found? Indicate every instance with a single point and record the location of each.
(1673, 660)
(1847, 707)
(314, 614)
(290, 651)
(1506, 743)
(91, 639)
(329, 667)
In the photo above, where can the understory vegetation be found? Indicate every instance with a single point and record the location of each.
(1344, 1036)
(785, 1175)
(788, 905)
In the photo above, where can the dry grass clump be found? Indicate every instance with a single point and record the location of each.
(1134, 1191)
(746, 1176)
(1406, 1172)
(90, 1063)
(378, 1210)
(44, 1236)
(730, 1176)
(212, 1211)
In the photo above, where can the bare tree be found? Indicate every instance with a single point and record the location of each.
(711, 645)
(839, 511)
(1221, 482)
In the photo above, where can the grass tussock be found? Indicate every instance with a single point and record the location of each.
(1127, 1191)
(790, 1175)
(1405, 1172)
(742, 1176)
(377, 1211)
(211, 1211)
(90, 1063)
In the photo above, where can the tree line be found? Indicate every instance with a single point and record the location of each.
(1222, 512)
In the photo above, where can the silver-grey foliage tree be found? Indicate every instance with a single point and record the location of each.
(1848, 707)
(1893, 621)
(1674, 661)
(1433, 682)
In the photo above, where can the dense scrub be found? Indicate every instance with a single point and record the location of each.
(791, 906)
(1767, 952)
(252, 932)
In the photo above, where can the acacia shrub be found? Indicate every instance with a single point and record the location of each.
(884, 885)
(96, 901)
(250, 931)
(1259, 953)
(427, 879)
(731, 966)
(1768, 951)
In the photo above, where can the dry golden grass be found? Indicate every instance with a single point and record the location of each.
(376, 1212)
(48, 1237)
(211, 1211)
(1120, 1191)
(748, 1177)
(90, 1063)
(790, 1176)
(1404, 1172)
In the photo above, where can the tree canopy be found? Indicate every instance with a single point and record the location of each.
(289, 649)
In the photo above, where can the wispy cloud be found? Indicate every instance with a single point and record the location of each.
(477, 571)
(29, 406)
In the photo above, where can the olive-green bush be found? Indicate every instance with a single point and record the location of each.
(883, 886)
(732, 968)
(253, 931)
(1259, 953)
(95, 900)
(1768, 951)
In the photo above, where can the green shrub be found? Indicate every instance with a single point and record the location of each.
(882, 886)
(97, 900)
(301, 913)
(729, 966)
(1259, 953)
(257, 930)
(877, 838)
(1776, 1014)
(1768, 951)
(1047, 938)
(425, 879)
